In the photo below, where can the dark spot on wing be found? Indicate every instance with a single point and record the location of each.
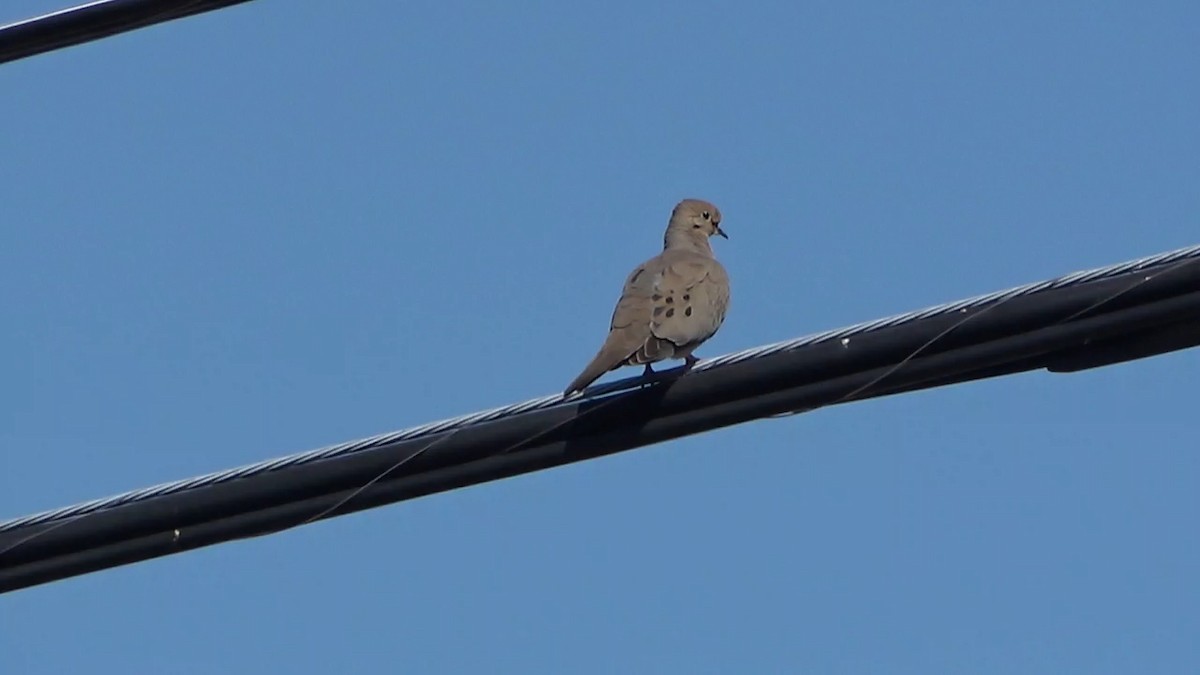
(687, 312)
(670, 312)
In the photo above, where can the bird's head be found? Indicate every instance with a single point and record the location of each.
(697, 218)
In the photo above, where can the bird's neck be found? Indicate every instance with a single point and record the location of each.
(676, 240)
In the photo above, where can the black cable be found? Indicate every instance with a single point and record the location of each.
(94, 21)
(1093, 322)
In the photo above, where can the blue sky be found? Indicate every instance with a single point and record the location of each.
(283, 225)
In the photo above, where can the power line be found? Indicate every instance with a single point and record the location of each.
(1083, 320)
(93, 21)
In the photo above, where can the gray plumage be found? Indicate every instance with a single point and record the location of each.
(671, 303)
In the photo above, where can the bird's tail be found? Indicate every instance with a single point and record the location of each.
(601, 364)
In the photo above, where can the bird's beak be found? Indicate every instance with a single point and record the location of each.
(721, 233)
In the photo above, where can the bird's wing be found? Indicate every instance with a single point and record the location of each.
(629, 329)
(689, 300)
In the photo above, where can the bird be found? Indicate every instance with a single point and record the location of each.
(671, 303)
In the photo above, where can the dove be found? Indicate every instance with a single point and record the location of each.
(671, 303)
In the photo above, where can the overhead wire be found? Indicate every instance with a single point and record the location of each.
(93, 21)
(1006, 331)
(844, 335)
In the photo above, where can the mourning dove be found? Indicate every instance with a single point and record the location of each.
(671, 303)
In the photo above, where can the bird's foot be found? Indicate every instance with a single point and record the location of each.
(651, 375)
(688, 362)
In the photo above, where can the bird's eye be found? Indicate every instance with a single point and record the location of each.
(705, 215)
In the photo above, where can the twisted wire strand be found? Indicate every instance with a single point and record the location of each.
(65, 513)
